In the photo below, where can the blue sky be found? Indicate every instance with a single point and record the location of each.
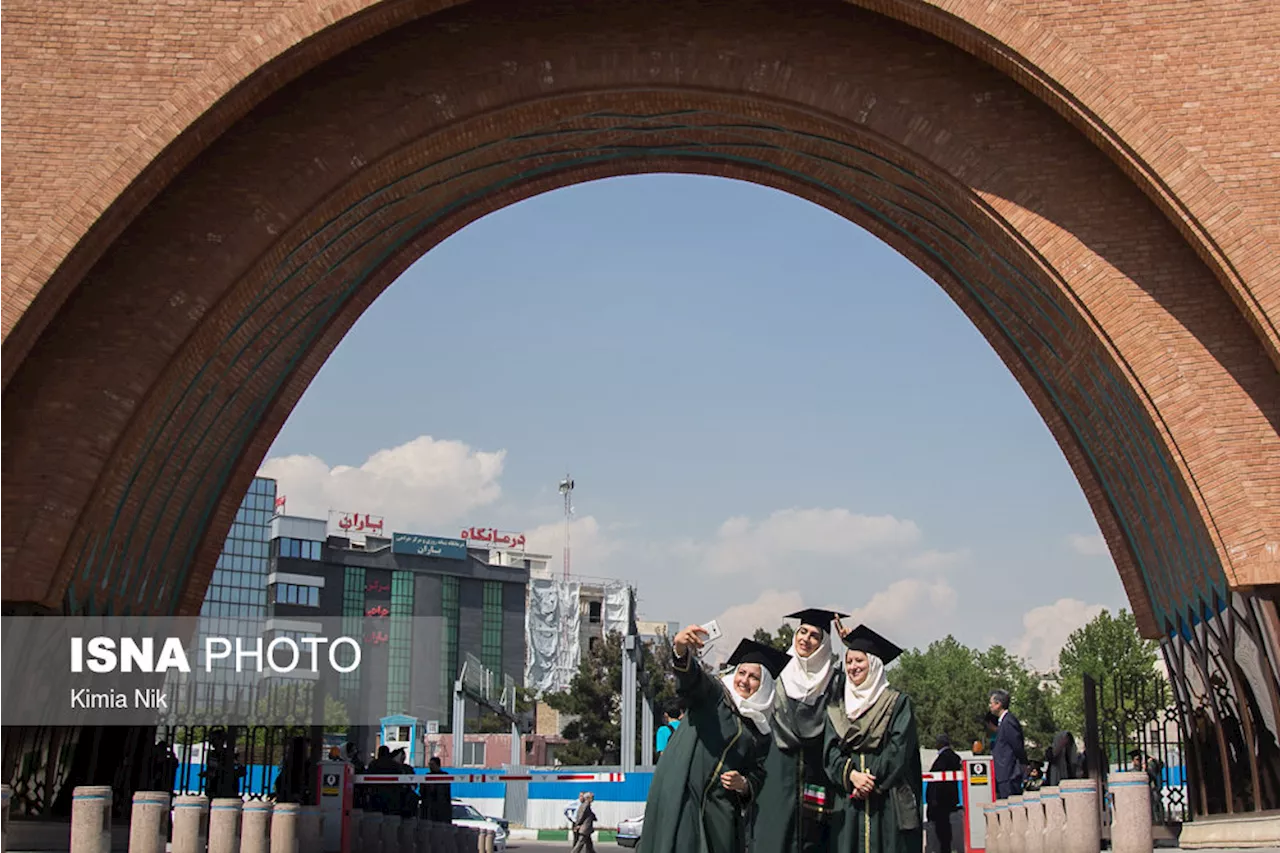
(760, 402)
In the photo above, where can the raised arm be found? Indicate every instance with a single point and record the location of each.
(693, 684)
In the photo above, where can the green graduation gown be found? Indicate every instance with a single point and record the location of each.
(883, 742)
(781, 822)
(688, 810)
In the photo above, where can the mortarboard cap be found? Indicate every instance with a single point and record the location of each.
(749, 651)
(863, 639)
(817, 617)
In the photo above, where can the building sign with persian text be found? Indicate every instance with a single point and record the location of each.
(355, 523)
(428, 546)
(492, 537)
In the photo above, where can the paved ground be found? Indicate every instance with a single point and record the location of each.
(539, 846)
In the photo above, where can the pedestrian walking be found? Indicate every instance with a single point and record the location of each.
(1009, 756)
(943, 798)
(584, 825)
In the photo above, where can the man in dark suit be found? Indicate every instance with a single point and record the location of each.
(1010, 754)
(943, 798)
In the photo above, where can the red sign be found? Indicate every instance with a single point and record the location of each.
(376, 638)
(377, 611)
(375, 586)
(354, 522)
(494, 537)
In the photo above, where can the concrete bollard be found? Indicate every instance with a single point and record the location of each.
(1018, 826)
(370, 833)
(1130, 812)
(408, 835)
(311, 830)
(91, 819)
(422, 843)
(391, 833)
(995, 842)
(1055, 820)
(989, 825)
(255, 828)
(149, 822)
(5, 793)
(190, 824)
(464, 840)
(224, 825)
(351, 843)
(284, 827)
(1035, 822)
(1084, 824)
(441, 835)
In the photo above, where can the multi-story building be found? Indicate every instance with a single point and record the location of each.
(420, 603)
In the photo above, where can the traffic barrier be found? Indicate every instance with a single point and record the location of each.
(1035, 822)
(148, 822)
(224, 825)
(1084, 823)
(284, 827)
(190, 824)
(1130, 795)
(1055, 820)
(255, 828)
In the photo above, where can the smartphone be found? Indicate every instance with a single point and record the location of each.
(713, 631)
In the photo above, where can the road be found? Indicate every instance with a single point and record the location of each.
(541, 846)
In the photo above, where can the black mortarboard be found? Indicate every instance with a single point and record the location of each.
(817, 617)
(863, 639)
(749, 651)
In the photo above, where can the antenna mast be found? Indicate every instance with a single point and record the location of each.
(566, 489)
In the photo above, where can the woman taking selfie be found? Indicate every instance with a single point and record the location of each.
(797, 805)
(872, 753)
(713, 765)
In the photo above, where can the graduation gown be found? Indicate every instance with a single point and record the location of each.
(688, 810)
(781, 823)
(883, 742)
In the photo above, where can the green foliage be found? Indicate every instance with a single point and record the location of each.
(949, 683)
(1107, 647)
(594, 699)
(780, 640)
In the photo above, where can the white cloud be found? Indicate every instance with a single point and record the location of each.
(1045, 630)
(936, 561)
(761, 549)
(590, 546)
(421, 485)
(742, 620)
(1089, 544)
(910, 612)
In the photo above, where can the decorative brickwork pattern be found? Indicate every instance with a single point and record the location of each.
(174, 308)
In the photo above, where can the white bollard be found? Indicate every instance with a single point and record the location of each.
(284, 827)
(391, 833)
(5, 793)
(996, 843)
(371, 833)
(989, 823)
(1084, 823)
(1035, 822)
(1130, 812)
(1016, 837)
(190, 824)
(351, 843)
(149, 822)
(311, 829)
(91, 819)
(224, 825)
(1055, 820)
(255, 828)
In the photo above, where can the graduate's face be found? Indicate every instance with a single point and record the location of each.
(746, 681)
(808, 638)
(856, 666)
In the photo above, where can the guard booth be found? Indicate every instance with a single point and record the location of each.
(337, 793)
(400, 731)
(976, 788)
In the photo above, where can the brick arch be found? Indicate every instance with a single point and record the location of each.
(240, 74)
(152, 399)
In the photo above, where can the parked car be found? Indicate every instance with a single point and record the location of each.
(465, 814)
(629, 831)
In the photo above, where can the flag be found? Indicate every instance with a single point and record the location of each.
(280, 504)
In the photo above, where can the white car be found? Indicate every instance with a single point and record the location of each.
(465, 814)
(629, 831)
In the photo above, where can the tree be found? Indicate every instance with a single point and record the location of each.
(781, 640)
(1109, 648)
(594, 699)
(949, 684)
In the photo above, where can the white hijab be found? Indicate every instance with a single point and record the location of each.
(755, 707)
(805, 679)
(858, 698)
